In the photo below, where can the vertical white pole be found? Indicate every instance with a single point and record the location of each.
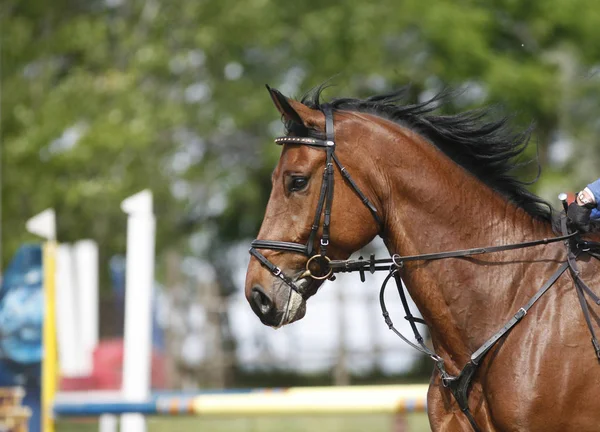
(108, 423)
(139, 282)
(67, 314)
(86, 261)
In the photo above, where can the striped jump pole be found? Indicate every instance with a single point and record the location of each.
(297, 400)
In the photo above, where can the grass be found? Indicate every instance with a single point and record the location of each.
(321, 423)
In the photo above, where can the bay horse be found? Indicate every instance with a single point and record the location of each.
(428, 183)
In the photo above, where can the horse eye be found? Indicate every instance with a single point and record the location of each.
(297, 184)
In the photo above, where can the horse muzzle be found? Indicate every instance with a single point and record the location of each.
(282, 305)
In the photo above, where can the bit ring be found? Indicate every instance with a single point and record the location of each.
(309, 273)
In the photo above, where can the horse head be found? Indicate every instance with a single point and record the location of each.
(297, 238)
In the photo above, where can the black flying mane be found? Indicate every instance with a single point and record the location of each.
(486, 148)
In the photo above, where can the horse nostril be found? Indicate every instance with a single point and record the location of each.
(261, 301)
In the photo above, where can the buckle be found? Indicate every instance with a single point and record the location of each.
(583, 246)
(448, 380)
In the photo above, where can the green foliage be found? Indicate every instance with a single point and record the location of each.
(99, 101)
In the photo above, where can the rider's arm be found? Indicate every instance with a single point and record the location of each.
(590, 196)
(594, 188)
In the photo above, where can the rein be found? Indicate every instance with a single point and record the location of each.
(373, 264)
(458, 385)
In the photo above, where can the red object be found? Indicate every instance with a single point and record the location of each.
(108, 367)
(77, 383)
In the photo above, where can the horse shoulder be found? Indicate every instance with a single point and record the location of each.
(545, 376)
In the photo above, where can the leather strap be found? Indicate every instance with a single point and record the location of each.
(482, 351)
(328, 180)
(311, 142)
(329, 130)
(361, 195)
(317, 219)
(279, 245)
(345, 266)
(483, 250)
(581, 288)
(459, 386)
(422, 348)
(328, 204)
(275, 271)
(409, 316)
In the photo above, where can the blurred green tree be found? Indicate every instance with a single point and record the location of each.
(103, 98)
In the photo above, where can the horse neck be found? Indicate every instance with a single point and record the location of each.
(434, 205)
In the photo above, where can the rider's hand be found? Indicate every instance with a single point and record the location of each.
(586, 198)
(579, 217)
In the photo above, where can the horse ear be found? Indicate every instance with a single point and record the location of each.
(283, 106)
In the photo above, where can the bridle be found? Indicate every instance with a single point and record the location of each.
(320, 259)
(458, 385)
